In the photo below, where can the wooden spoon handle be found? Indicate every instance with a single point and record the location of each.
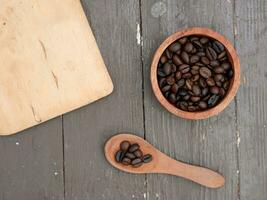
(200, 175)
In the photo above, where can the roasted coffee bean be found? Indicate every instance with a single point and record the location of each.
(205, 60)
(205, 72)
(166, 94)
(133, 148)
(162, 82)
(210, 82)
(187, 75)
(230, 74)
(170, 80)
(204, 92)
(160, 72)
(194, 59)
(222, 92)
(219, 83)
(219, 46)
(202, 104)
(181, 82)
(218, 70)
(174, 68)
(172, 98)
(185, 57)
(166, 88)
(218, 77)
(188, 47)
(195, 98)
(182, 92)
(138, 153)
(193, 38)
(168, 54)
(204, 40)
(200, 64)
(194, 72)
(211, 53)
(192, 108)
(226, 85)
(147, 158)
(189, 84)
(186, 97)
(125, 145)
(197, 44)
(200, 54)
(202, 83)
(126, 161)
(213, 100)
(174, 88)
(195, 67)
(167, 68)
(221, 55)
(175, 47)
(163, 59)
(137, 162)
(119, 155)
(184, 68)
(214, 63)
(130, 155)
(206, 97)
(183, 40)
(215, 90)
(195, 78)
(176, 60)
(226, 66)
(196, 90)
(178, 75)
(183, 105)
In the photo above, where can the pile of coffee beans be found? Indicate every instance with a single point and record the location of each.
(131, 154)
(194, 73)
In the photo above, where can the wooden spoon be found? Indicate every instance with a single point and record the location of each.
(161, 163)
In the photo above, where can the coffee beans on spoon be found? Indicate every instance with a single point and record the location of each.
(131, 154)
(194, 73)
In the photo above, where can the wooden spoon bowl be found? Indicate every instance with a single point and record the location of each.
(233, 85)
(161, 163)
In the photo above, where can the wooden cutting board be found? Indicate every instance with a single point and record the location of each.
(49, 62)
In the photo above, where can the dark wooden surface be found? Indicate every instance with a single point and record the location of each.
(63, 158)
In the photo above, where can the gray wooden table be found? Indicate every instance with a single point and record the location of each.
(63, 158)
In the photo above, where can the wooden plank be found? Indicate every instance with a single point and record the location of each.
(31, 164)
(88, 174)
(251, 42)
(50, 62)
(210, 143)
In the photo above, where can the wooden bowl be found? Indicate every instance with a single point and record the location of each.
(233, 85)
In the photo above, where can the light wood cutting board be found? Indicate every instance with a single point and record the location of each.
(49, 62)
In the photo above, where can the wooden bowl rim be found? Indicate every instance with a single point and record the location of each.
(232, 88)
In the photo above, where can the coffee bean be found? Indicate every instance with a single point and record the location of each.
(136, 162)
(204, 92)
(130, 155)
(185, 57)
(183, 40)
(205, 60)
(200, 54)
(221, 55)
(183, 105)
(126, 161)
(160, 72)
(174, 88)
(202, 104)
(181, 82)
(202, 83)
(147, 158)
(195, 67)
(125, 145)
(193, 38)
(166, 88)
(205, 72)
(196, 90)
(194, 99)
(176, 60)
(167, 69)
(178, 75)
(219, 46)
(211, 53)
(214, 63)
(138, 153)
(175, 47)
(226, 66)
(197, 44)
(162, 82)
(188, 47)
(170, 80)
(187, 75)
(194, 59)
(186, 97)
(168, 54)
(189, 84)
(230, 74)
(163, 59)
(200, 64)
(226, 85)
(182, 92)
(210, 82)
(215, 90)
(119, 156)
(192, 108)
(166, 95)
(195, 78)
(218, 77)
(206, 97)
(184, 68)
(172, 98)
(174, 68)
(218, 70)
(219, 83)
(133, 148)
(204, 40)
(213, 100)
(222, 92)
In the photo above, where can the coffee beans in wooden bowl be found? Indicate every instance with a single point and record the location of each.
(194, 73)
(131, 154)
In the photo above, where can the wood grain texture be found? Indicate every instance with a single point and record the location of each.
(31, 165)
(210, 143)
(88, 174)
(251, 43)
(50, 62)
